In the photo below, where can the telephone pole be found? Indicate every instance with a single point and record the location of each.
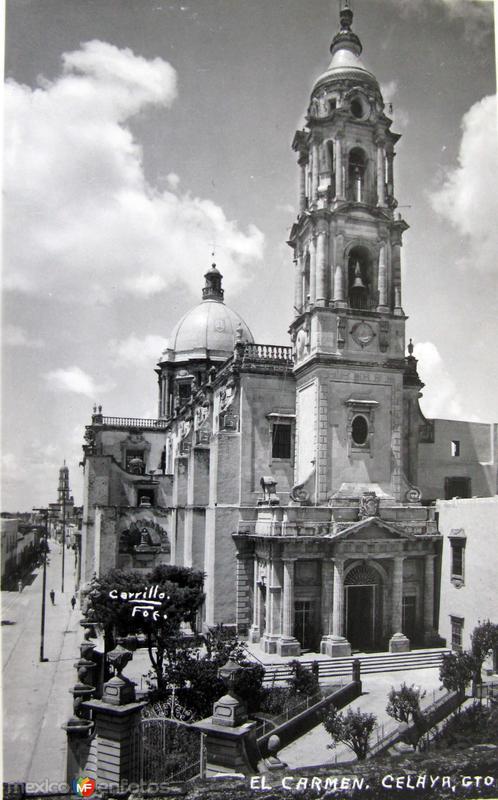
(44, 512)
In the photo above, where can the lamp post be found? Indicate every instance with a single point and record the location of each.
(44, 513)
(63, 535)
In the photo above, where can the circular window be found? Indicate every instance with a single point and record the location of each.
(359, 430)
(357, 108)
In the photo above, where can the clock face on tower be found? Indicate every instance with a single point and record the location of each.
(362, 333)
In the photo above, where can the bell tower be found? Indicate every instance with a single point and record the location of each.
(349, 325)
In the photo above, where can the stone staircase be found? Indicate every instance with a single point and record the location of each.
(374, 662)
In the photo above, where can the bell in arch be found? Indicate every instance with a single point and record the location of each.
(358, 293)
(358, 282)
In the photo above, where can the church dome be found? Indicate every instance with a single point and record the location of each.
(210, 329)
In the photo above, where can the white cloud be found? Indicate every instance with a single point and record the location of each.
(140, 352)
(389, 90)
(15, 336)
(287, 208)
(440, 395)
(81, 219)
(173, 180)
(468, 197)
(75, 380)
(475, 15)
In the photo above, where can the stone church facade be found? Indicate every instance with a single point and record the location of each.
(291, 475)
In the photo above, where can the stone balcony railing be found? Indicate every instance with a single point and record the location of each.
(267, 352)
(129, 422)
(276, 527)
(262, 357)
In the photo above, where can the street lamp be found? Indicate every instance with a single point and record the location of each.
(44, 513)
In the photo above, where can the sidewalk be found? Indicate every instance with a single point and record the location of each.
(36, 699)
(312, 750)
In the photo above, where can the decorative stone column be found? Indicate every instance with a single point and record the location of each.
(313, 270)
(429, 596)
(327, 602)
(381, 177)
(336, 645)
(396, 273)
(298, 285)
(339, 181)
(302, 184)
(398, 642)
(230, 738)
(287, 644)
(116, 717)
(255, 630)
(390, 171)
(321, 267)
(314, 173)
(272, 632)
(382, 307)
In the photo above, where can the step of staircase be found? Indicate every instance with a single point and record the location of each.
(370, 663)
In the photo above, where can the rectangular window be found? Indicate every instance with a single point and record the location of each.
(455, 448)
(184, 392)
(456, 633)
(281, 440)
(457, 553)
(457, 487)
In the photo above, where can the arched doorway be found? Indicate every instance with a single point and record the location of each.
(363, 606)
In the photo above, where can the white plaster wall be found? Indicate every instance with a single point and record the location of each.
(477, 599)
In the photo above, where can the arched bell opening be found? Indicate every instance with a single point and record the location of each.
(360, 278)
(357, 172)
(363, 604)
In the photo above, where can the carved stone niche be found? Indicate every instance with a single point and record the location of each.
(134, 447)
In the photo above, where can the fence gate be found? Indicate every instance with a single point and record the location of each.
(165, 750)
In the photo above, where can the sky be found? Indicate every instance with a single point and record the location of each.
(141, 135)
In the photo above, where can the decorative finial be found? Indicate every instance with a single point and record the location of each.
(410, 347)
(346, 39)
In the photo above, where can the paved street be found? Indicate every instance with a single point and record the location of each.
(36, 701)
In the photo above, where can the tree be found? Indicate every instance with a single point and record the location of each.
(483, 639)
(180, 590)
(456, 671)
(404, 706)
(352, 729)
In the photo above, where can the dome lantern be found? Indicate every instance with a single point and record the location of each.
(212, 289)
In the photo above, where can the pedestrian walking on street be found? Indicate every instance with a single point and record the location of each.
(52, 596)
(19, 586)
(73, 601)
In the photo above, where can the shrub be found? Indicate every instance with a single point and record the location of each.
(304, 682)
(456, 671)
(352, 729)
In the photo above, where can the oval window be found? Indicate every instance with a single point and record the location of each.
(359, 430)
(357, 108)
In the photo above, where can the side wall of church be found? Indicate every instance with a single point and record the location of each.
(477, 447)
(262, 396)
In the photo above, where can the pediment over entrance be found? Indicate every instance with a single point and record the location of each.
(372, 528)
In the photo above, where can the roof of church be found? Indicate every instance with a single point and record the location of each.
(210, 329)
(346, 50)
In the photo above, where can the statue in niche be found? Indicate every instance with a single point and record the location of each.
(302, 343)
(227, 395)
